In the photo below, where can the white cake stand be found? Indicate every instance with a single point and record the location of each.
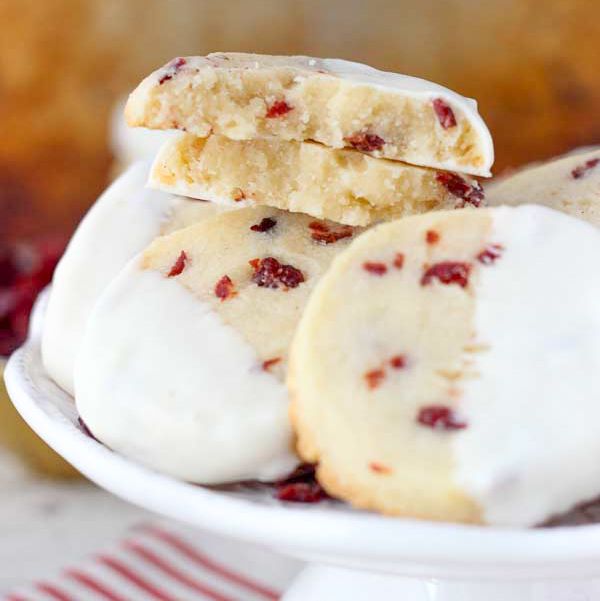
(352, 555)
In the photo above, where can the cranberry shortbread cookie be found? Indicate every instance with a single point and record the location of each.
(184, 357)
(448, 367)
(570, 184)
(335, 102)
(339, 184)
(122, 222)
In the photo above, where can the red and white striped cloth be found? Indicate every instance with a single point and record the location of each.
(168, 563)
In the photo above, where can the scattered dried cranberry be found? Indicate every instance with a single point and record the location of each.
(432, 237)
(225, 288)
(238, 195)
(300, 486)
(365, 142)
(444, 113)
(179, 265)
(398, 361)
(270, 362)
(379, 468)
(490, 253)
(318, 226)
(264, 226)
(254, 263)
(399, 261)
(439, 417)
(375, 268)
(171, 69)
(459, 187)
(374, 378)
(447, 272)
(278, 108)
(269, 273)
(330, 237)
(581, 170)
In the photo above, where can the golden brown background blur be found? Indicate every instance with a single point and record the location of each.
(532, 64)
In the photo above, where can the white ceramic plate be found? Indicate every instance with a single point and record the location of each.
(328, 532)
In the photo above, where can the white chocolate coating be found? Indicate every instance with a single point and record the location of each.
(125, 219)
(163, 380)
(532, 444)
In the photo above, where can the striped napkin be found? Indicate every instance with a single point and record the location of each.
(159, 562)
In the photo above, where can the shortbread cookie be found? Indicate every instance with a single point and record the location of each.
(335, 102)
(124, 220)
(570, 184)
(343, 185)
(448, 367)
(185, 354)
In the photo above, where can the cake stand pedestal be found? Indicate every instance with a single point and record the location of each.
(351, 555)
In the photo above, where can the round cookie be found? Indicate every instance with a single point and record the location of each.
(459, 377)
(570, 183)
(184, 356)
(123, 221)
(338, 103)
(339, 184)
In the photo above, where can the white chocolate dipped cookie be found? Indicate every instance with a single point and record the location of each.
(335, 102)
(184, 357)
(338, 184)
(122, 222)
(570, 184)
(459, 377)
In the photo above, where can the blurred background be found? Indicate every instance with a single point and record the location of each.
(65, 65)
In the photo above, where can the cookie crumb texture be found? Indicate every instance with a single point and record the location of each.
(346, 186)
(334, 102)
(410, 370)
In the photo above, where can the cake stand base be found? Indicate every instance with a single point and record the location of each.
(319, 582)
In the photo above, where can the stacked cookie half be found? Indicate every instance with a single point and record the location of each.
(301, 247)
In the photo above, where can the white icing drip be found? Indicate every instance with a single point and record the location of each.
(164, 381)
(125, 219)
(532, 443)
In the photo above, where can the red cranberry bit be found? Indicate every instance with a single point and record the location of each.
(432, 237)
(399, 261)
(172, 69)
(278, 109)
(179, 265)
(318, 226)
(365, 142)
(459, 187)
(225, 288)
(581, 170)
(269, 273)
(254, 263)
(490, 253)
(444, 113)
(439, 417)
(375, 268)
(398, 361)
(270, 362)
(332, 237)
(447, 272)
(379, 468)
(300, 492)
(374, 378)
(264, 226)
(238, 195)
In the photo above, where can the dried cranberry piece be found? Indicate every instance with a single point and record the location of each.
(439, 417)
(375, 268)
(179, 265)
(269, 273)
(581, 170)
(444, 113)
(264, 226)
(8, 268)
(238, 195)
(398, 361)
(432, 237)
(318, 226)
(374, 378)
(332, 237)
(379, 468)
(365, 142)
(447, 272)
(278, 108)
(490, 254)
(300, 486)
(225, 288)
(459, 187)
(399, 261)
(171, 69)
(270, 362)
